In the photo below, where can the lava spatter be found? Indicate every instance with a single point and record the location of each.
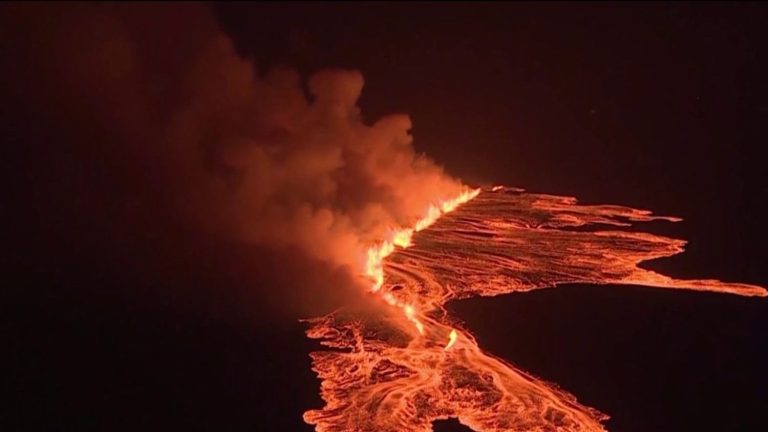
(403, 370)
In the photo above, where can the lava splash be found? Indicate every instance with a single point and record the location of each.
(409, 366)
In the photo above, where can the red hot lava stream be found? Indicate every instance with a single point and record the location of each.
(403, 370)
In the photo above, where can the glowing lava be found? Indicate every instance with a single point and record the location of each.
(374, 265)
(382, 376)
(452, 337)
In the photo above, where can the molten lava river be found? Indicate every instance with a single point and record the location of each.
(411, 365)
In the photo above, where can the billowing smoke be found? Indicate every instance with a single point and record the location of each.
(156, 115)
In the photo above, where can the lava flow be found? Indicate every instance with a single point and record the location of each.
(374, 266)
(406, 368)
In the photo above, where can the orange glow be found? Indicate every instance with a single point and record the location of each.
(381, 375)
(451, 340)
(374, 263)
(411, 315)
(403, 238)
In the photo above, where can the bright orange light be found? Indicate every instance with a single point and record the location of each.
(377, 378)
(374, 262)
(374, 267)
(403, 238)
(451, 339)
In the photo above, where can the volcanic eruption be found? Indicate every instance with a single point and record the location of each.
(186, 131)
(387, 373)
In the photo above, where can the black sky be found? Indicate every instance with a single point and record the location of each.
(658, 106)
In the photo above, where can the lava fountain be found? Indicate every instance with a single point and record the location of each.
(409, 366)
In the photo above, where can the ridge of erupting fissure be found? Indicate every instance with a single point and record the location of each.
(401, 238)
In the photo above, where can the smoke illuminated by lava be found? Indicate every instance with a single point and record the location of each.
(161, 123)
(385, 375)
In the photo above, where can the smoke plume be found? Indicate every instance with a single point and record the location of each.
(156, 120)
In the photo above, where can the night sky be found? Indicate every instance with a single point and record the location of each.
(656, 106)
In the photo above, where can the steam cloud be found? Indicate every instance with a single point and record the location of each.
(175, 119)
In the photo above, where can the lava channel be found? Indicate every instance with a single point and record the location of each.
(410, 365)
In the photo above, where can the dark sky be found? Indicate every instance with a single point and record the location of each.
(658, 106)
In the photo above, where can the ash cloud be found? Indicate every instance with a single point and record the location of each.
(142, 120)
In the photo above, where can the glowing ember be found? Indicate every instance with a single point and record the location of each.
(451, 339)
(384, 377)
